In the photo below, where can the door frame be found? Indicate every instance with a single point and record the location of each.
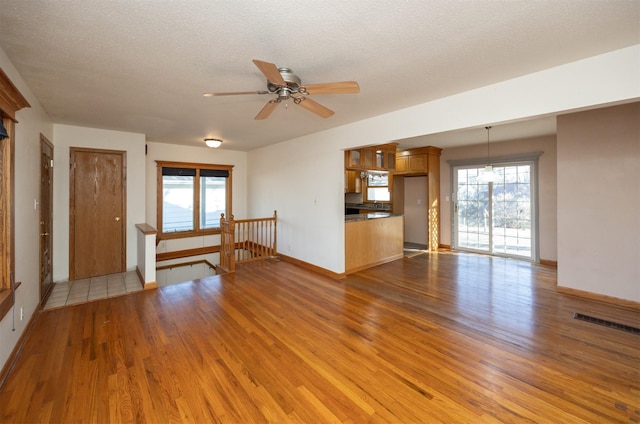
(532, 158)
(72, 207)
(46, 215)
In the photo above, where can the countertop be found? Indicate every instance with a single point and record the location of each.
(383, 207)
(370, 215)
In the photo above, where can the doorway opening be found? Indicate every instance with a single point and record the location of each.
(416, 211)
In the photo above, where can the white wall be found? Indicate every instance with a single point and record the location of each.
(599, 201)
(66, 136)
(32, 122)
(285, 176)
(304, 181)
(176, 153)
(547, 181)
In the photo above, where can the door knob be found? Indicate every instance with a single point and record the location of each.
(117, 218)
(44, 234)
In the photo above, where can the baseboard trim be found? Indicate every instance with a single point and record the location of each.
(547, 262)
(11, 360)
(600, 297)
(311, 267)
(444, 246)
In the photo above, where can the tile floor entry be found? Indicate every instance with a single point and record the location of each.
(94, 288)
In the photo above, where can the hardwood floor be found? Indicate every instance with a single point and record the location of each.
(443, 337)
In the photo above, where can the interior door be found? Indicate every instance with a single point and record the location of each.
(46, 218)
(97, 238)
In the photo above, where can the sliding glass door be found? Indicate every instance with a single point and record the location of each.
(495, 217)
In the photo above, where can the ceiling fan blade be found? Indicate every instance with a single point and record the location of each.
(315, 107)
(344, 87)
(267, 109)
(235, 93)
(270, 71)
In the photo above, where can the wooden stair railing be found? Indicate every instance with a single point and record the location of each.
(246, 240)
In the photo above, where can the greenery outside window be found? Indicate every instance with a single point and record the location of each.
(191, 198)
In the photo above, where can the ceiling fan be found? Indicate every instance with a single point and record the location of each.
(286, 85)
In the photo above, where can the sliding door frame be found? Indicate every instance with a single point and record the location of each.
(500, 161)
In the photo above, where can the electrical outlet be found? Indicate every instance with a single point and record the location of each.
(21, 313)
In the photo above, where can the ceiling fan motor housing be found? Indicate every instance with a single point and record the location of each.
(292, 80)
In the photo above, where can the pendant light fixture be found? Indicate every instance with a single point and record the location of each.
(488, 175)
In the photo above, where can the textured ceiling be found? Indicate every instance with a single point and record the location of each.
(142, 65)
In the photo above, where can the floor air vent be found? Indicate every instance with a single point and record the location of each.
(606, 323)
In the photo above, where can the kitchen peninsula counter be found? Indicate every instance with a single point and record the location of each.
(372, 239)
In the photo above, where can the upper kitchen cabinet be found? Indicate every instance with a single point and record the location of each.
(353, 159)
(373, 158)
(417, 161)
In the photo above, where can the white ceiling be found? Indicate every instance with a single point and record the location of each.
(142, 65)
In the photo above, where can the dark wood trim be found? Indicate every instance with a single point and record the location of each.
(146, 229)
(11, 100)
(600, 297)
(444, 246)
(201, 261)
(187, 234)
(196, 217)
(17, 349)
(6, 301)
(178, 254)
(313, 268)
(44, 296)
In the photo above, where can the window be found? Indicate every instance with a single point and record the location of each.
(6, 257)
(191, 198)
(377, 187)
(11, 101)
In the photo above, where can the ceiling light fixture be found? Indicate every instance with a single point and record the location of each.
(213, 142)
(488, 175)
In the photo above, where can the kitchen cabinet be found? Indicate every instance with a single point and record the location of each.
(418, 161)
(374, 158)
(371, 242)
(352, 182)
(353, 159)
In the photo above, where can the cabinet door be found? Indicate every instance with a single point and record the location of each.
(354, 158)
(380, 159)
(352, 182)
(368, 158)
(390, 162)
(402, 163)
(418, 163)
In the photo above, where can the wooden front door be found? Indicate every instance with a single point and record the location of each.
(97, 227)
(46, 218)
